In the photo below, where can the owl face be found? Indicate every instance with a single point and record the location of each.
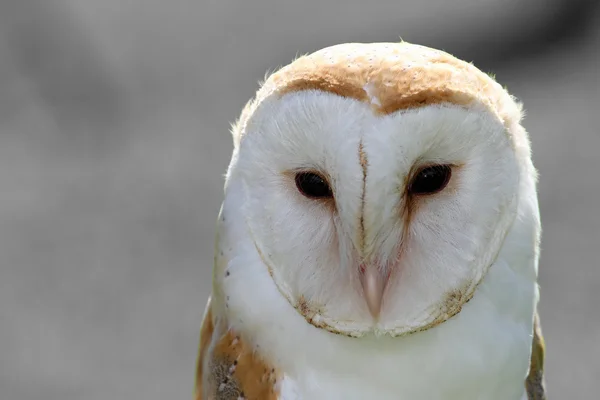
(371, 218)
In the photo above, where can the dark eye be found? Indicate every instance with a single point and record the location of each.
(313, 185)
(431, 180)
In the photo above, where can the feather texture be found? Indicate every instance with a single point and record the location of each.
(288, 319)
(535, 383)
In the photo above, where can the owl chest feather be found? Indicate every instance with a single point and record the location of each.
(231, 366)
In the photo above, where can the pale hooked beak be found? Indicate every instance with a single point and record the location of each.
(373, 281)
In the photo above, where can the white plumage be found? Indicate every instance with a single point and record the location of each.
(376, 291)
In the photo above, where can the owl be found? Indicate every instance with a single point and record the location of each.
(379, 236)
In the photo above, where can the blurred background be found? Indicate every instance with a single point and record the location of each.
(114, 119)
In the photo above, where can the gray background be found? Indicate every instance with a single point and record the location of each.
(114, 139)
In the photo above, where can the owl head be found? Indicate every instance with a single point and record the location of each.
(377, 184)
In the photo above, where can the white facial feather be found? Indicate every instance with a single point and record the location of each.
(313, 249)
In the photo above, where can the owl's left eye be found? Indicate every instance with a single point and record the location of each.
(313, 185)
(431, 179)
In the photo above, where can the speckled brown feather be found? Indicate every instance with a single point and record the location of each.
(230, 369)
(535, 384)
(388, 76)
(206, 332)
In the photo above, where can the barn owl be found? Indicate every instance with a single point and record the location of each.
(378, 238)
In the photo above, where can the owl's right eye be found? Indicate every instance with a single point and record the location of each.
(313, 185)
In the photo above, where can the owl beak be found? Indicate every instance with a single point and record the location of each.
(373, 281)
